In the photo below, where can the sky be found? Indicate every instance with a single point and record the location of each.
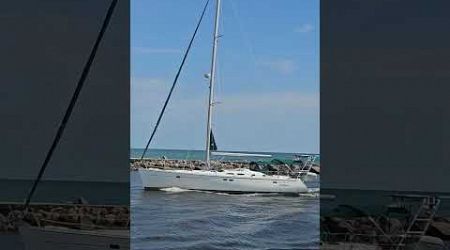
(267, 75)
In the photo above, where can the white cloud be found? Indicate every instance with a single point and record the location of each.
(304, 28)
(146, 81)
(271, 121)
(147, 86)
(147, 50)
(282, 66)
(146, 93)
(264, 121)
(270, 101)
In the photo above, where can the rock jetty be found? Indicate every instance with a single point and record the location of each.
(274, 166)
(381, 231)
(77, 216)
(185, 164)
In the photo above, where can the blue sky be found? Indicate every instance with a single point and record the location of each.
(267, 83)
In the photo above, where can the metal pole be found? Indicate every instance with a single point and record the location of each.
(211, 83)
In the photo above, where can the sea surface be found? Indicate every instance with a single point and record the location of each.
(181, 219)
(110, 193)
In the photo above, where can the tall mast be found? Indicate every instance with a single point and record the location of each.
(211, 83)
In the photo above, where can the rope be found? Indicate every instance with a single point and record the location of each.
(174, 81)
(73, 101)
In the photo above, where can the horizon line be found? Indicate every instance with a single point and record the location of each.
(310, 153)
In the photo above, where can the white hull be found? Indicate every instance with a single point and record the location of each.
(57, 238)
(230, 181)
(311, 180)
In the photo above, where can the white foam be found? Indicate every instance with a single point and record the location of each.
(310, 195)
(174, 190)
(231, 194)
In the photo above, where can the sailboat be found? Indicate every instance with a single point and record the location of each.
(228, 181)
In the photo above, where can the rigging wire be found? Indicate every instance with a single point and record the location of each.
(73, 101)
(243, 33)
(220, 74)
(175, 81)
(222, 62)
(222, 66)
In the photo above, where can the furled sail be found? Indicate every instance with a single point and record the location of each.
(212, 144)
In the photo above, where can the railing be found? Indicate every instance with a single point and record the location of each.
(191, 165)
(382, 241)
(410, 234)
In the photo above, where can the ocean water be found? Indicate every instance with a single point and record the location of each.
(113, 193)
(181, 219)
